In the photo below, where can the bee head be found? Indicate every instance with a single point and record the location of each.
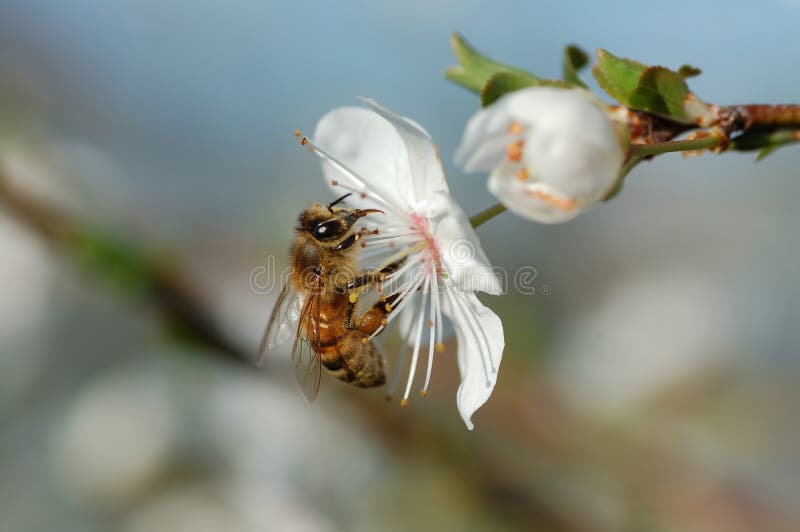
(328, 224)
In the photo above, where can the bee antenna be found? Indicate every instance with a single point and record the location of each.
(338, 200)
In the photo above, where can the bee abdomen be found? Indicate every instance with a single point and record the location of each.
(361, 364)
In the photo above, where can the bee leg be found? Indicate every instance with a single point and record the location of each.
(379, 310)
(375, 317)
(350, 240)
(369, 277)
(347, 242)
(349, 313)
(366, 278)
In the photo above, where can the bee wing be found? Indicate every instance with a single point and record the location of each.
(307, 365)
(282, 320)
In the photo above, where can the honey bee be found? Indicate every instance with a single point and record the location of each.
(319, 297)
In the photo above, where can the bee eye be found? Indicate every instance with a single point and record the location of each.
(328, 230)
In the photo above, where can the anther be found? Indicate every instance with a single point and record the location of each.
(523, 174)
(388, 307)
(353, 298)
(565, 204)
(404, 402)
(439, 347)
(303, 141)
(363, 244)
(334, 183)
(424, 393)
(364, 341)
(514, 151)
(515, 128)
(296, 132)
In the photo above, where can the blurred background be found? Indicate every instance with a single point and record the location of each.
(149, 167)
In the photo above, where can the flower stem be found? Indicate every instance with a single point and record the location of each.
(487, 214)
(633, 160)
(657, 148)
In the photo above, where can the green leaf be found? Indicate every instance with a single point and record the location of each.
(574, 60)
(655, 89)
(661, 91)
(502, 83)
(688, 71)
(766, 142)
(618, 77)
(474, 69)
(763, 154)
(459, 76)
(505, 82)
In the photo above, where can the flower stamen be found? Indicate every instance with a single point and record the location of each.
(417, 340)
(403, 253)
(514, 151)
(325, 156)
(431, 335)
(565, 204)
(515, 128)
(403, 299)
(421, 224)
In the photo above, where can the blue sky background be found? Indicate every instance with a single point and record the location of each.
(204, 96)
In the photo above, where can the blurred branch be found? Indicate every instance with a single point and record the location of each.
(128, 267)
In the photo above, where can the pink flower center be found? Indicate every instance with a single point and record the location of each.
(434, 258)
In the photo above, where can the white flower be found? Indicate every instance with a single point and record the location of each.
(552, 152)
(390, 163)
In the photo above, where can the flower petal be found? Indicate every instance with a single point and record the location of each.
(423, 155)
(391, 155)
(488, 131)
(531, 199)
(479, 332)
(578, 166)
(566, 135)
(459, 246)
(570, 153)
(405, 321)
(371, 147)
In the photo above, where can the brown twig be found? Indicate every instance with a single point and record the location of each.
(168, 289)
(762, 116)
